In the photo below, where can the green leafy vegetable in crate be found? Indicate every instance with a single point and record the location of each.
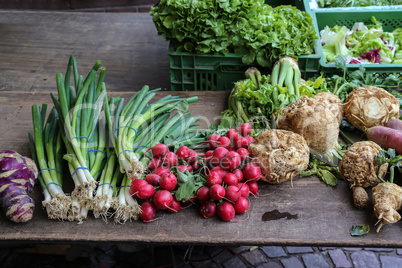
(363, 44)
(252, 29)
(356, 3)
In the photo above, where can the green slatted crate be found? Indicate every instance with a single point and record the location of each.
(196, 72)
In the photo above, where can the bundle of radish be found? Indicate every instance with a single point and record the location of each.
(18, 175)
(359, 167)
(387, 196)
(281, 154)
(313, 119)
(370, 106)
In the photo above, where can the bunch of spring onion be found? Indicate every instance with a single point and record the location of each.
(47, 151)
(137, 126)
(79, 108)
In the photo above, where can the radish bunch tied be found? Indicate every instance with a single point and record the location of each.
(18, 175)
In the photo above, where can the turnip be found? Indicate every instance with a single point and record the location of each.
(183, 152)
(148, 211)
(387, 200)
(223, 142)
(154, 164)
(217, 155)
(212, 141)
(312, 119)
(168, 181)
(214, 178)
(208, 209)
(370, 106)
(169, 159)
(217, 192)
(159, 150)
(162, 199)
(232, 193)
(281, 155)
(394, 124)
(252, 172)
(245, 129)
(230, 179)
(203, 194)
(18, 175)
(226, 211)
(241, 205)
(386, 137)
(232, 134)
(231, 160)
(153, 179)
(359, 168)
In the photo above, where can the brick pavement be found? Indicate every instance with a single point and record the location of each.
(124, 255)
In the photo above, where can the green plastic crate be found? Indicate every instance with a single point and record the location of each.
(390, 17)
(196, 72)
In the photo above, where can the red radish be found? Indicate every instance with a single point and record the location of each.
(240, 142)
(386, 137)
(162, 170)
(181, 168)
(232, 193)
(18, 175)
(174, 207)
(183, 152)
(238, 173)
(208, 154)
(162, 199)
(244, 189)
(154, 164)
(135, 185)
(193, 157)
(231, 149)
(253, 186)
(217, 192)
(230, 179)
(226, 211)
(208, 209)
(243, 152)
(212, 141)
(203, 194)
(217, 155)
(148, 211)
(249, 139)
(214, 178)
(220, 170)
(168, 181)
(395, 124)
(245, 129)
(241, 205)
(224, 142)
(252, 172)
(146, 191)
(170, 159)
(231, 160)
(196, 166)
(153, 179)
(190, 168)
(232, 134)
(159, 150)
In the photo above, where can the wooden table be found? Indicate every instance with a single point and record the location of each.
(34, 46)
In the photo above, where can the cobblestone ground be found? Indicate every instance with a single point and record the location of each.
(119, 255)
